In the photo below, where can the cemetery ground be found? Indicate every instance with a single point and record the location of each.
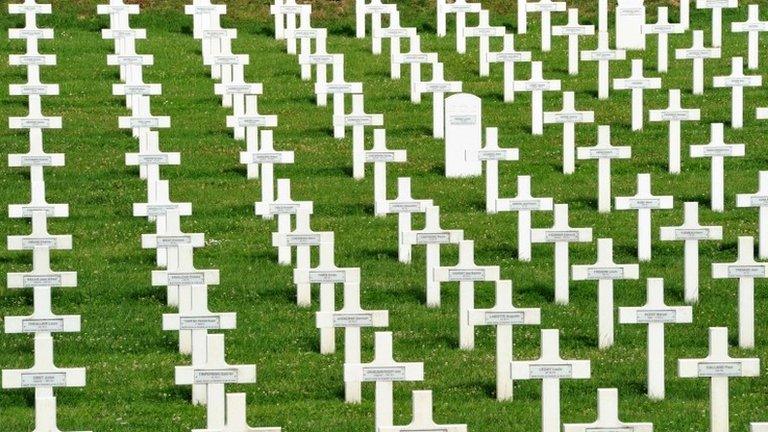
(130, 360)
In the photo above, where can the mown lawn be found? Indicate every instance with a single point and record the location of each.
(130, 360)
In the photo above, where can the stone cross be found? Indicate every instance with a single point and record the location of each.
(746, 270)
(231, 67)
(182, 273)
(384, 371)
(603, 55)
(159, 202)
(524, 203)
(285, 12)
(118, 11)
(41, 274)
(574, 31)
(215, 373)
(605, 271)
(415, 57)
(236, 417)
(433, 236)
(569, 117)
(550, 368)
(608, 416)
(691, 232)
(491, 154)
(644, 202)
(504, 315)
(637, 83)
(206, 15)
(484, 31)
(305, 33)
(717, 7)
(604, 152)
(717, 150)
(303, 238)
(737, 81)
(719, 367)
(561, 234)
(656, 314)
(376, 9)
(522, 16)
(545, 8)
(753, 27)
(674, 114)
(422, 419)
(45, 414)
(283, 207)
(466, 273)
(321, 60)
(663, 28)
(685, 13)
(358, 120)
(759, 200)
(509, 56)
(630, 19)
(697, 52)
(380, 156)
(39, 237)
(458, 7)
(170, 237)
(537, 85)
(438, 86)
(352, 318)
(404, 205)
(266, 157)
(42, 320)
(37, 203)
(394, 33)
(250, 122)
(327, 275)
(217, 42)
(339, 88)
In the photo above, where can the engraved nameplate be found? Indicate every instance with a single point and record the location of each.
(719, 369)
(42, 325)
(735, 271)
(215, 376)
(49, 280)
(57, 379)
(191, 278)
(656, 316)
(504, 318)
(395, 373)
(353, 320)
(597, 273)
(551, 371)
(466, 274)
(199, 323)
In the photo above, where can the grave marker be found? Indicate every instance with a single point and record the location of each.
(283, 207)
(463, 134)
(43, 376)
(717, 150)
(644, 202)
(235, 417)
(656, 314)
(422, 419)
(603, 55)
(753, 27)
(266, 157)
(458, 7)
(569, 117)
(358, 119)
(39, 237)
(717, 7)
(537, 85)
(737, 81)
(509, 56)
(339, 88)
(394, 33)
(524, 203)
(608, 416)
(376, 9)
(305, 33)
(438, 86)
(491, 154)
(605, 271)
(546, 8)
(663, 28)
(697, 52)
(691, 232)
(415, 58)
(320, 59)
(759, 200)
(674, 114)
(37, 203)
(249, 122)
(637, 83)
(483, 31)
(41, 274)
(380, 156)
(719, 367)
(630, 22)
(604, 152)
(285, 12)
(574, 31)
(405, 205)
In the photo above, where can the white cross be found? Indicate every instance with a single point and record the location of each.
(685, 13)
(45, 414)
(303, 238)
(135, 90)
(183, 273)
(338, 87)
(206, 15)
(217, 41)
(214, 374)
(746, 269)
(753, 27)
(159, 202)
(118, 11)
(30, 9)
(561, 234)
(285, 12)
(283, 207)
(42, 319)
(504, 315)
(458, 7)
(248, 121)
(320, 59)
(41, 274)
(537, 85)
(37, 203)
(376, 9)
(484, 31)
(238, 93)
(691, 232)
(637, 83)
(545, 8)
(602, 16)
(608, 416)
(231, 67)
(550, 368)
(717, 7)
(719, 367)
(663, 28)
(604, 152)
(466, 273)
(39, 237)
(737, 81)
(605, 271)
(358, 120)
(352, 318)
(717, 150)
(674, 114)
(384, 371)
(235, 417)
(415, 57)
(379, 155)
(266, 157)
(524, 203)
(422, 419)
(603, 55)
(169, 237)
(404, 205)
(568, 116)
(438, 86)
(394, 33)
(509, 56)
(432, 236)
(655, 313)
(305, 33)
(697, 52)
(644, 202)
(491, 154)
(43, 376)
(759, 200)
(574, 31)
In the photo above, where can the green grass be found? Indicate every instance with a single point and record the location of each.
(130, 360)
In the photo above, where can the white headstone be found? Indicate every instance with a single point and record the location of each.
(463, 134)
(630, 20)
